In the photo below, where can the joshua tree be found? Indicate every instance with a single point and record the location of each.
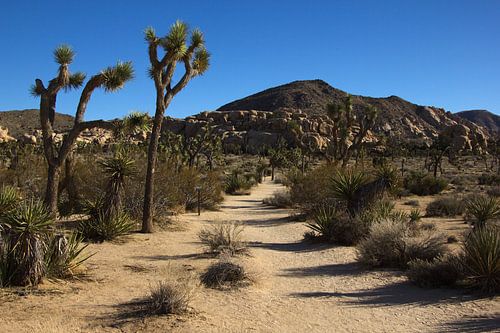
(111, 79)
(196, 61)
(345, 140)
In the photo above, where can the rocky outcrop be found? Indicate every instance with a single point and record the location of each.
(5, 136)
(482, 118)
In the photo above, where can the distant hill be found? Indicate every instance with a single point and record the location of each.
(483, 118)
(397, 117)
(20, 122)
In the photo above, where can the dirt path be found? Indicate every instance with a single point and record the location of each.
(302, 287)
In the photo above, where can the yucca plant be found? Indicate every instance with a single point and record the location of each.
(9, 197)
(25, 231)
(415, 215)
(345, 186)
(483, 209)
(324, 219)
(481, 258)
(235, 182)
(117, 169)
(64, 255)
(102, 228)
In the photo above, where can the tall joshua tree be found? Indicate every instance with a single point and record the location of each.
(111, 79)
(195, 59)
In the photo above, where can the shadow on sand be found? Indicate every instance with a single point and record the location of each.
(347, 269)
(473, 324)
(301, 246)
(401, 293)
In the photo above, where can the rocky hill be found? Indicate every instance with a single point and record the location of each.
(397, 118)
(482, 118)
(20, 122)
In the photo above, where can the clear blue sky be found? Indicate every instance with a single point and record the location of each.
(431, 52)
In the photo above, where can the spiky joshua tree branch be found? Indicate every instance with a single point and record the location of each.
(110, 79)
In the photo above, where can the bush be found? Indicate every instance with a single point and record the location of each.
(481, 258)
(225, 275)
(64, 255)
(482, 209)
(393, 243)
(489, 179)
(9, 198)
(494, 191)
(169, 297)
(440, 272)
(236, 183)
(421, 184)
(447, 206)
(25, 229)
(223, 238)
(279, 199)
(100, 228)
(333, 225)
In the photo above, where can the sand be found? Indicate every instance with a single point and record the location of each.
(301, 287)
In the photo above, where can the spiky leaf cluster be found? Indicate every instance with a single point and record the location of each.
(115, 77)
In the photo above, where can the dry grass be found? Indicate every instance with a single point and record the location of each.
(226, 274)
(223, 238)
(169, 297)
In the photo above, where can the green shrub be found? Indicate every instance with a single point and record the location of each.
(440, 272)
(9, 198)
(421, 184)
(481, 258)
(446, 206)
(25, 229)
(345, 186)
(393, 243)
(481, 209)
(64, 255)
(333, 225)
(101, 228)
(235, 182)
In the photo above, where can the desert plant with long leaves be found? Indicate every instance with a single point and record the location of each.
(345, 186)
(481, 258)
(25, 230)
(65, 254)
(483, 209)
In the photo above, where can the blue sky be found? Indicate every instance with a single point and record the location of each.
(431, 52)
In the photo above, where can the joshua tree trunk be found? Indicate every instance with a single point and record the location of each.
(52, 189)
(147, 214)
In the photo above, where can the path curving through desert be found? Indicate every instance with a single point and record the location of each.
(301, 287)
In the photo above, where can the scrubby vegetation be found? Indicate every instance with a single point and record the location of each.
(446, 206)
(169, 297)
(421, 184)
(223, 238)
(226, 274)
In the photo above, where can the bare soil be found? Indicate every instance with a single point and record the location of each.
(301, 287)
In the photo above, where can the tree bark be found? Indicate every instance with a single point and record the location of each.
(147, 214)
(52, 189)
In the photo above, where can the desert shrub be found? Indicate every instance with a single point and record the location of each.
(169, 297)
(99, 228)
(312, 189)
(415, 215)
(446, 206)
(494, 191)
(420, 184)
(481, 209)
(345, 186)
(441, 272)
(414, 203)
(489, 179)
(235, 182)
(223, 238)
(333, 225)
(428, 226)
(9, 198)
(393, 243)
(280, 199)
(226, 274)
(64, 255)
(24, 232)
(481, 258)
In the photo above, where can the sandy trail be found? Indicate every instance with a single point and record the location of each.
(301, 288)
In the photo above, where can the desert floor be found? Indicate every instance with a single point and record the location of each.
(301, 287)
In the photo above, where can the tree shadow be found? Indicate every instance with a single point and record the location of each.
(400, 293)
(473, 324)
(173, 257)
(270, 222)
(301, 246)
(346, 269)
